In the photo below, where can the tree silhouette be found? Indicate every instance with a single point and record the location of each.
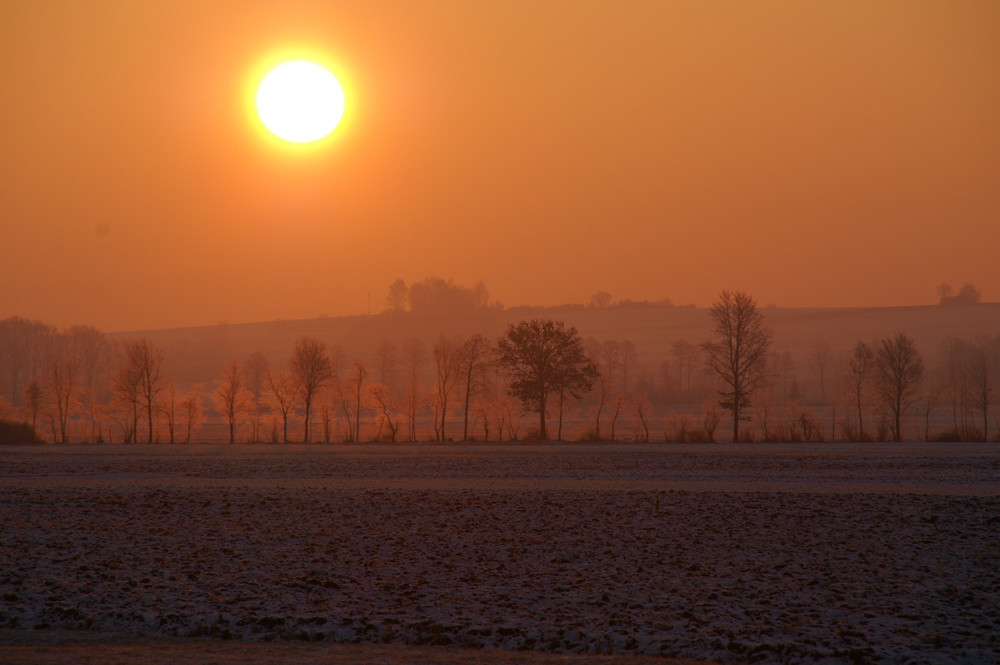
(357, 377)
(474, 356)
(967, 295)
(543, 357)
(413, 353)
(311, 370)
(232, 399)
(283, 392)
(739, 354)
(32, 402)
(139, 381)
(859, 369)
(169, 408)
(898, 370)
(60, 385)
(446, 357)
(399, 295)
(191, 408)
(981, 368)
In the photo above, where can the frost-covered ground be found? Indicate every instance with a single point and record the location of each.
(877, 553)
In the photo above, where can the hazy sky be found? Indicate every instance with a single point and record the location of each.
(811, 153)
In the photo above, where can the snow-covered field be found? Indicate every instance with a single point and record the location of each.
(778, 553)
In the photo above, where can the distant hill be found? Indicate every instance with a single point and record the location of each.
(196, 355)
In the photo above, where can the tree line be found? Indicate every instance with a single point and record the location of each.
(540, 379)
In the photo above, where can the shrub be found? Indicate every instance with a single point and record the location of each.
(17, 433)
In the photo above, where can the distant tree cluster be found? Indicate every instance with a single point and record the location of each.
(967, 295)
(604, 300)
(435, 295)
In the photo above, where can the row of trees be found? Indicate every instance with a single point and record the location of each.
(80, 385)
(80, 376)
(533, 361)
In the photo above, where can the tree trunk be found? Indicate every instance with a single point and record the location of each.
(898, 415)
(737, 398)
(562, 397)
(465, 428)
(542, 434)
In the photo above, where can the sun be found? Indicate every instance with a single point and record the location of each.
(300, 101)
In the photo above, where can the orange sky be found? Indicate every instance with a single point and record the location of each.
(813, 154)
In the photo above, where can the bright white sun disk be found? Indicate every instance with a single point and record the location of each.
(300, 101)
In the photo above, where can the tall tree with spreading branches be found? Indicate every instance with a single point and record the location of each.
(141, 378)
(898, 371)
(474, 357)
(542, 358)
(311, 370)
(738, 355)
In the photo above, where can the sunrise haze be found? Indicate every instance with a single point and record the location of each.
(812, 154)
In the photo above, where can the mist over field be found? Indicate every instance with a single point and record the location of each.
(397, 375)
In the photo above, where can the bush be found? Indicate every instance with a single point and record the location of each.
(17, 433)
(952, 435)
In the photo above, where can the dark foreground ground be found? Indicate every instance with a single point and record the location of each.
(534, 554)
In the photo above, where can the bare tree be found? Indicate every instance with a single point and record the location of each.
(474, 357)
(282, 398)
(31, 403)
(232, 399)
(91, 352)
(170, 408)
(358, 376)
(144, 364)
(126, 389)
(139, 381)
(739, 354)
(819, 363)
(599, 358)
(784, 369)
(643, 411)
(955, 354)
(255, 373)
(311, 370)
(763, 409)
(386, 358)
(328, 415)
(686, 358)
(413, 353)
(60, 390)
(543, 357)
(619, 404)
(446, 354)
(382, 400)
(981, 367)
(932, 396)
(898, 370)
(857, 379)
(710, 419)
(191, 408)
